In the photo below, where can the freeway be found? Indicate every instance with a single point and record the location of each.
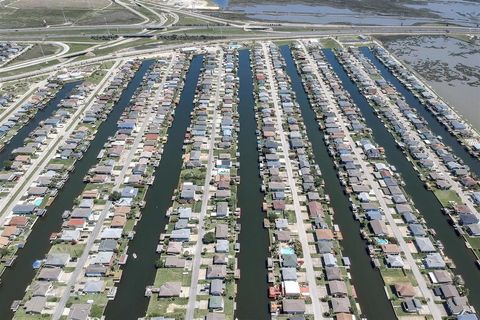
(60, 53)
(327, 31)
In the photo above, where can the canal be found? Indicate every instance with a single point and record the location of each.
(367, 281)
(18, 139)
(252, 299)
(435, 126)
(130, 301)
(16, 279)
(424, 200)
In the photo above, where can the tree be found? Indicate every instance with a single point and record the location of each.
(209, 237)
(115, 196)
(7, 164)
(297, 246)
(271, 217)
(159, 263)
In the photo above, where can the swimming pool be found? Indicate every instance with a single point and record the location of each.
(38, 202)
(381, 241)
(287, 250)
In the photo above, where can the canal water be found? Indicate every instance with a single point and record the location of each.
(16, 279)
(130, 301)
(434, 125)
(252, 299)
(424, 200)
(367, 281)
(18, 139)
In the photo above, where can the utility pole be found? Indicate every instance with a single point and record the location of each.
(106, 24)
(64, 18)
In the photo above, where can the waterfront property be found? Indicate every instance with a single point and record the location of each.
(132, 199)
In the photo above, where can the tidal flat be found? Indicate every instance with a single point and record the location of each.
(451, 66)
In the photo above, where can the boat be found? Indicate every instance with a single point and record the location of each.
(134, 255)
(37, 264)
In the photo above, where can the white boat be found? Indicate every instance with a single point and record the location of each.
(134, 255)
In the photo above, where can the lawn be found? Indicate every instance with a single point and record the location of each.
(392, 276)
(36, 51)
(446, 196)
(171, 274)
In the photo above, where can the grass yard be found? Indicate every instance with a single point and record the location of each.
(392, 276)
(446, 196)
(36, 52)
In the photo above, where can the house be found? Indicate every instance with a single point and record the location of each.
(23, 209)
(379, 228)
(411, 305)
(215, 316)
(340, 305)
(216, 272)
(79, 311)
(174, 247)
(222, 246)
(40, 288)
(289, 260)
(81, 213)
(35, 305)
(221, 231)
(324, 246)
(405, 290)
(324, 234)
(289, 273)
(417, 229)
(424, 244)
(94, 286)
(291, 288)
(70, 235)
(222, 210)
(50, 274)
(188, 191)
(283, 235)
(440, 276)
(329, 260)
(448, 291)
(111, 233)
(467, 316)
(333, 273)
(215, 303)
(108, 245)
(57, 259)
(103, 258)
(129, 192)
(220, 258)
(337, 288)
(293, 306)
(434, 261)
(18, 221)
(180, 235)
(394, 261)
(457, 305)
(170, 289)
(217, 287)
(95, 270)
(184, 213)
(174, 262)
(281, 224)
